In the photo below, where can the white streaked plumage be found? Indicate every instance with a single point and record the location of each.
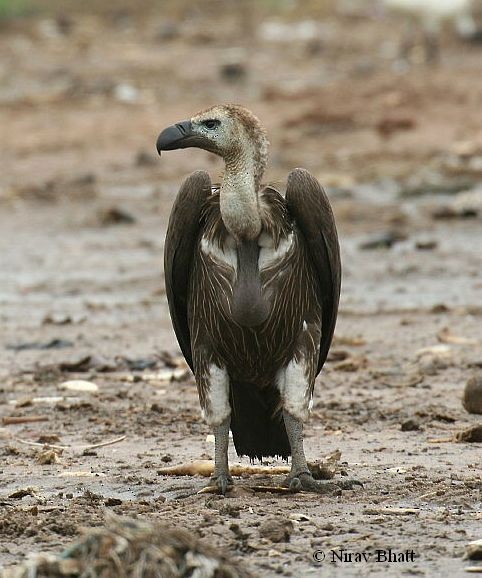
(218, 408)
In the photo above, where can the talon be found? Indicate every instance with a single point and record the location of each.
(222, 482)
(305, 482)
(295, 485)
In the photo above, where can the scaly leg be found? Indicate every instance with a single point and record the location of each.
(300, 477)
(221, 477)
(218, 416)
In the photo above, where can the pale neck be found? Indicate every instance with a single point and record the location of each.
(239, 197)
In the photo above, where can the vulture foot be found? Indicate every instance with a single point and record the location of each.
(305, 482)
(222, 482)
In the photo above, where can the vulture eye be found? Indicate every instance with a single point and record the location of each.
(211, 124)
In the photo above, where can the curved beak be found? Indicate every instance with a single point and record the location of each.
(177, 136)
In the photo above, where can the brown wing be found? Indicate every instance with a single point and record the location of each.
(310, 208)
(182, 235)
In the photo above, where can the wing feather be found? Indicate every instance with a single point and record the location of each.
(181, 238)
(308, 204)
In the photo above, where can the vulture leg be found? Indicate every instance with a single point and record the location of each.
(300, 477)
(294, 429)
(221, 477)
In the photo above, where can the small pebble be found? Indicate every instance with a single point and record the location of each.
(472, 400)
(473, 550)
(410, 425)
(471, 435)
(116, 216)
(233, 71)
(426, 245)
(276, 529)
(79, 385)
(384, 240)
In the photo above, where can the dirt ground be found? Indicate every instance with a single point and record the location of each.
(84, 203)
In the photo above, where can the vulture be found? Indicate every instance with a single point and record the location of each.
(253, 284)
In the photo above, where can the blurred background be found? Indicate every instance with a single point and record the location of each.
(380, 99)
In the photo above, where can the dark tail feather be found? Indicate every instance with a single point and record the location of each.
(258, 429)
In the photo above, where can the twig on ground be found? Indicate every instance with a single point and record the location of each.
(266, 489)
(24, 419)
(72, 448)
(205, 468)
(392, 511)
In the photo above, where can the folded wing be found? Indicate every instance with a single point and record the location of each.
(182, 235)
(310, 208)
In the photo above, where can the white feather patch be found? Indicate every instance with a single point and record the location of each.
(225, 255)
(218, 408)
(268, 255)
(294, 389)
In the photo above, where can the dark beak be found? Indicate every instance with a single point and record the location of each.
(177, 136)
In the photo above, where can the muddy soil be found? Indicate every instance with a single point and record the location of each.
(84, 203)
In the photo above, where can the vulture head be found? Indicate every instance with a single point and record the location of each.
(229, 131)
